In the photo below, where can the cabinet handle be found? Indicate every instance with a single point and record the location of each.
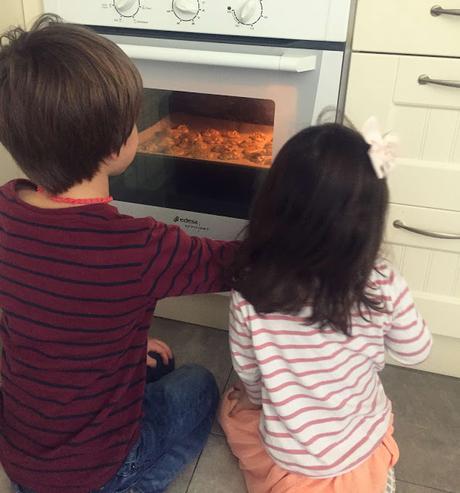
(398, 224)
(425, 79)
(437, 10)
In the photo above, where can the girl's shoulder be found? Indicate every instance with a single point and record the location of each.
(382, 273)
(239, 303)
(387, 282)
(384, 269)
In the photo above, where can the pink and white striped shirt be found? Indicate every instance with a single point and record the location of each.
(324, 406)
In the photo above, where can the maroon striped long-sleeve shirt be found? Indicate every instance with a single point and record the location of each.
(78, 287)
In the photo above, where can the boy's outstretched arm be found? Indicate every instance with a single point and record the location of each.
(178, 264)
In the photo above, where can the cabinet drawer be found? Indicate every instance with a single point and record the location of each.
(428, 82)
(429, 220)
(431, 266)
(426, 120)
(395, 26)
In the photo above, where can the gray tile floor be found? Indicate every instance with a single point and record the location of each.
(427, 409)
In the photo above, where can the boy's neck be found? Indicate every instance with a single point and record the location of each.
(98, 187)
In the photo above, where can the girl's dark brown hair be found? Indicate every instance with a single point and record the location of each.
(315, 229)
(68, 99)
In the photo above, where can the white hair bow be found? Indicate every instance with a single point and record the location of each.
(383, 149)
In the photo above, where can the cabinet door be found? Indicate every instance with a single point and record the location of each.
(408, 26)
(425, 117)
(424, 185)
(431, 267)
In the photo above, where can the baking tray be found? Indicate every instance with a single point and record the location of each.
(201, 128)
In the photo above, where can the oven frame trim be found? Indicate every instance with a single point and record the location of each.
(221, 38)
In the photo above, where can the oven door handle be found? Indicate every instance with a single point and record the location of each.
(288, 62)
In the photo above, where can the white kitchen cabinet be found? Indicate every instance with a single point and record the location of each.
(396, 26)
(424, 186)
(430, 265)
(423, 82)
(426, 119)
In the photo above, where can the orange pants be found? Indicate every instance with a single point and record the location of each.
(262, 475)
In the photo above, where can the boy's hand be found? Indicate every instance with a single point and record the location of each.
(244, 404)
(159, 347)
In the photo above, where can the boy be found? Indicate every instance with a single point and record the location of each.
(79, 282)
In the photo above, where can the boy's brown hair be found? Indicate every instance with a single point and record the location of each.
(68, 99)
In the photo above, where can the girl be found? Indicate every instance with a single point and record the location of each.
(314, 309)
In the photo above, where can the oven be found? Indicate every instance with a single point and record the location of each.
(226, 83)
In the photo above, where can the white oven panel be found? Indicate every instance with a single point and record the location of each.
(194, 223)
(319, 20)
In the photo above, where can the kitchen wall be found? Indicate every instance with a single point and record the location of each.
(32, 9)
(8, 168)
(11, 14)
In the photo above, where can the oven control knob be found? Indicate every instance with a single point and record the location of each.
(126, 8)
(186, 10)
(250, 12)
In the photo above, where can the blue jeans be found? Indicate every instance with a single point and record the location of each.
(179, 411)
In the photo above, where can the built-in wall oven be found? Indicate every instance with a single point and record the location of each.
(227, 82)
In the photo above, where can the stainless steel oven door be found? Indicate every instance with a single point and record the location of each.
(213, 117)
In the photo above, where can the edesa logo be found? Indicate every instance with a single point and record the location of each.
(186, 220)
(192, 225)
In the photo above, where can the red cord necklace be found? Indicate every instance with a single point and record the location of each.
(69, 200)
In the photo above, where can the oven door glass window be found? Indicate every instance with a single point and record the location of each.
(199, 152)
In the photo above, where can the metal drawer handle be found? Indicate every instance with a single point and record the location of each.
(437, 10)
(398, 224)
(425, 79)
